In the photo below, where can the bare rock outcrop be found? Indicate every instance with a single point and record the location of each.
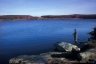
(67, 47)
(68, 55)
(89, 54)
(43, 58)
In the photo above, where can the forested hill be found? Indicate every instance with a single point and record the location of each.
(74, 16)
(28, 17)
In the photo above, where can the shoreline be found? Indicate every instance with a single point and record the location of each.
(47, 17)
(40, 19)
(80, 53)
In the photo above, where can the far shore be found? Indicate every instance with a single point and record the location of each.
(47, 17)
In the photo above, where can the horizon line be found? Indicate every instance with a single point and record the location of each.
(48, 15)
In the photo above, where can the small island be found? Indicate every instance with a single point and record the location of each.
(47, 17)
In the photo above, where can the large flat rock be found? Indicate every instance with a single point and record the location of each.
(89, 54)
(67, 47)
(43, 58)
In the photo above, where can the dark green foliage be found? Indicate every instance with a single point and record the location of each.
(88, 46)
(93, 16)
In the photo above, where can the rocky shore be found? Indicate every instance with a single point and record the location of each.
(64, 53)
(93, 34)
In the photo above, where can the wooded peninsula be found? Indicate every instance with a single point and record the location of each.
(47, 17)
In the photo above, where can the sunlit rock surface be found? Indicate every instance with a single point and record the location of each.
(90, 54)
(42, 58)
(67, 47)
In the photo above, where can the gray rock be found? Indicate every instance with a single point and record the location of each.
(43, 58)
(67, 47)
(89, 54)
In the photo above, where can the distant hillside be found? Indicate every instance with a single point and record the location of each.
(28, 17)
(17, 17)
(74, 16)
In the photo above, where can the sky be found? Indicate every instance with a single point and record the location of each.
(47, 7)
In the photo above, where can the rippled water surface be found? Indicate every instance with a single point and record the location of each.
(38, 36)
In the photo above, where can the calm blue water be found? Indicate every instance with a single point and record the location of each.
(38, 36)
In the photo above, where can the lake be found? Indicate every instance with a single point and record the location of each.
(27, 37)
